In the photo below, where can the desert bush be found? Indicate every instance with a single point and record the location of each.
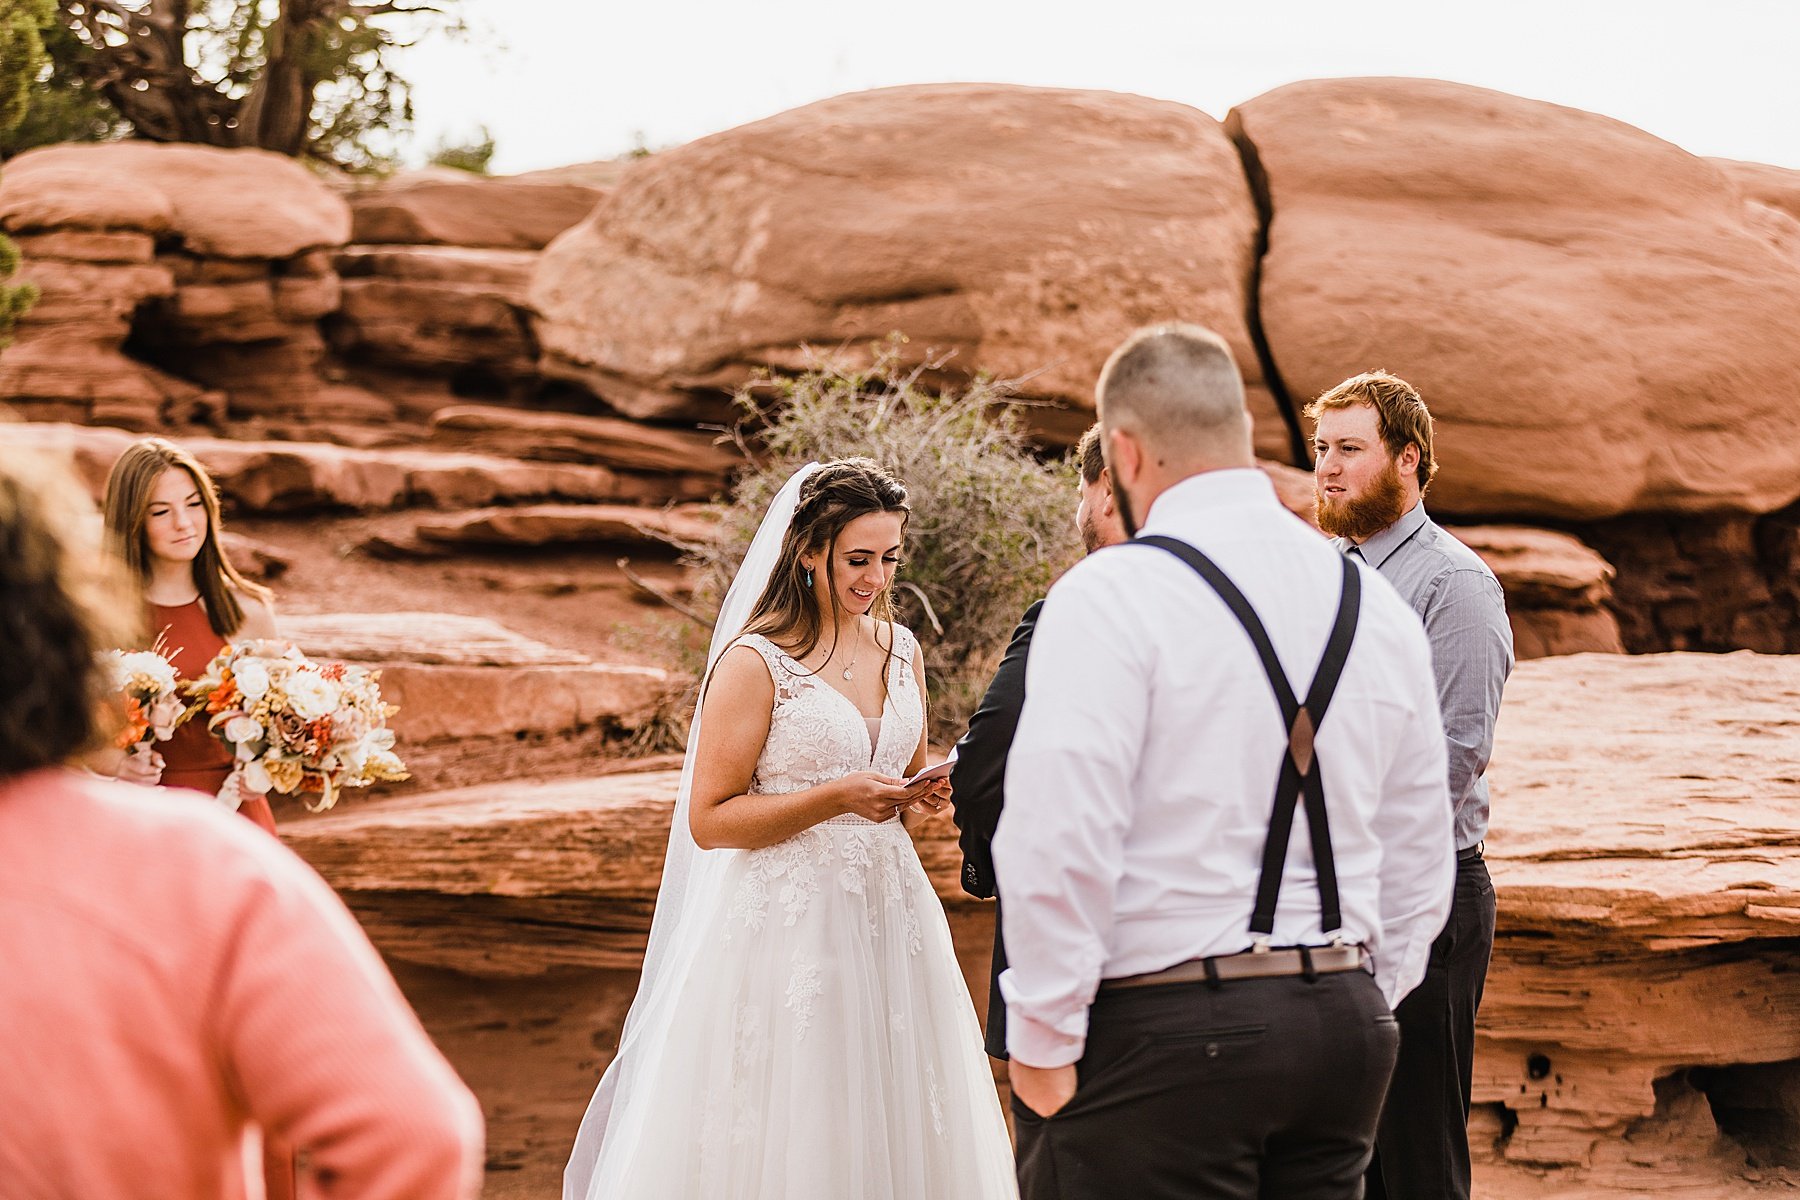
(992, 524)
(474, 155)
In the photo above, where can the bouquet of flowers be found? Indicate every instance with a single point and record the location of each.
(147, 687)
(295, 725)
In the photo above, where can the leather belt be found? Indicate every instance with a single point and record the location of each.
(1251, 964)
(1470, 854)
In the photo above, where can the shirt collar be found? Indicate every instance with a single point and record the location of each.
(1379, 548)
(1228, 488)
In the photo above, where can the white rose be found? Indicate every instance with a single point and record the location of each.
(252, 679)
(310, 697)
(256, 778)
(240, 730)
(348, 724)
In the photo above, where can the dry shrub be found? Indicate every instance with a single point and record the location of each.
(991, 526)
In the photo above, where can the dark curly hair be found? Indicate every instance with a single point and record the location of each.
(62, 602)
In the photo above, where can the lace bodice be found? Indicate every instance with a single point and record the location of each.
(816, 734)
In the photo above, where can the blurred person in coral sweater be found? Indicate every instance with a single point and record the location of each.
(176, 982)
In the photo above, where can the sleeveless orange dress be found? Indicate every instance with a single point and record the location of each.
(194, 758)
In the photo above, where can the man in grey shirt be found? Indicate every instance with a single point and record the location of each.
(1372, 443)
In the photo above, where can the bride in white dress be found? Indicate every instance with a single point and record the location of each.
(802, 1030)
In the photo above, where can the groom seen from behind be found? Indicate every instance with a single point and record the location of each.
(979, 781)
(1198, 994)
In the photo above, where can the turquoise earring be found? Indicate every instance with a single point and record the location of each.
(809, 577)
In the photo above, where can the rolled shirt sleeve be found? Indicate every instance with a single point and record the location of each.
(1059, 848)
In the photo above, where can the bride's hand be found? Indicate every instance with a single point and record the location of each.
(872, 796)
(931, 797)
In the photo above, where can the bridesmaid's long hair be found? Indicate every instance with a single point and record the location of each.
(835, 495)
(127, 506)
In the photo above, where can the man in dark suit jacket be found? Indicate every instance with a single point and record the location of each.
(979, 778)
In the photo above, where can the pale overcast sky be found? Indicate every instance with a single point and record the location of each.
(563, 81)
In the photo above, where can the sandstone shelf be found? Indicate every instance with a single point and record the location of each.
(1648, 885)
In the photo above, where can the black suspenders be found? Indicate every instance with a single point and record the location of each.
(1300, 780)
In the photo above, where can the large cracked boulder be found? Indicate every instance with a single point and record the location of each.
(1027, 230)
(1599, 321)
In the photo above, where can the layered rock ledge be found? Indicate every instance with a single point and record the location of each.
(1649, 899)
(1646, 855)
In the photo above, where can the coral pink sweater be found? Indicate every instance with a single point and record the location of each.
(170, 975)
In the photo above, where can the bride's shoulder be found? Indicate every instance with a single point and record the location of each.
(892, 635)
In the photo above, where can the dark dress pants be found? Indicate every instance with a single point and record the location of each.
(995, 1038)
(1422, 1148)
(1260, 1089)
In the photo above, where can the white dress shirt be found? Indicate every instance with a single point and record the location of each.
(1141, 779)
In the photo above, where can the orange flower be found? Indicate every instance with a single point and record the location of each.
(136, 724)
(223, 696)
(332, 671)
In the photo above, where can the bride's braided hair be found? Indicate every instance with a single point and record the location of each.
(832, 497)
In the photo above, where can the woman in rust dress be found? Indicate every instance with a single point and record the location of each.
(162, 515)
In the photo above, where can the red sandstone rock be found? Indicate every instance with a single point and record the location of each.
(220, 203)
(543, 525)
(256, 559)
(570, 437)
(469, 210)
(1556, 589)
(289, 477)
(1028, 230)
(1644, 853)
(437, 309)
(231, 299)
(1595, 318)
(1648, 891)
(460, 677)
(88, 245)
(1294, 488)
(1777, 187)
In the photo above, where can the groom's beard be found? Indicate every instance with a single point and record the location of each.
(1364, 516)
(1091, 537)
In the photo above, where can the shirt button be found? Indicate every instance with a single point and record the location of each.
(1212, 1049)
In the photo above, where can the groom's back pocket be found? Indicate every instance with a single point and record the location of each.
(1222, 1043)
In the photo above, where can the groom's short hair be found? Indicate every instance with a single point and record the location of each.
(1177, 385)
(1090, 454)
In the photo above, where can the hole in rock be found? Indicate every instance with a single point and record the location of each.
(1756, 1105)
(1538, 1066)
(480, 383)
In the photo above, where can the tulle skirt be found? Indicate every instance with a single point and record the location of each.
(826, 1047)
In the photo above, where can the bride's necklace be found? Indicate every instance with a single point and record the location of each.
(852, 666)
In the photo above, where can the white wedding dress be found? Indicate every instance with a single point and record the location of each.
(822, 1044)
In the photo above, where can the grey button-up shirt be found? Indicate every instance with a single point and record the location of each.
(1464, 611)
